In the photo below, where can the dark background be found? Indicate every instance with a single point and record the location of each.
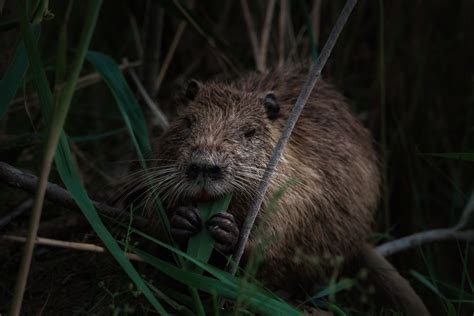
(406, 65)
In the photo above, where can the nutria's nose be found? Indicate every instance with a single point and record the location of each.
(207, 171)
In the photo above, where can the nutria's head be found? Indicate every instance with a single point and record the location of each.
(220, 144)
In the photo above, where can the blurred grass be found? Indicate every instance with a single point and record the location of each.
(13, 77)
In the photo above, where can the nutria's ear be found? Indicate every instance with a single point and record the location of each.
(271, 105)
(192, 89)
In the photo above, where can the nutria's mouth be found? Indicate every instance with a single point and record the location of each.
(203, 196)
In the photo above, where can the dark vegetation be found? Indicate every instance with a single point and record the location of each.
(407, 66)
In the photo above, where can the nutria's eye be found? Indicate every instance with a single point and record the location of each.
(271, 105)
(250, 132)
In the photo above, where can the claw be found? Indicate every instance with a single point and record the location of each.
(223, 228)
(185, 223)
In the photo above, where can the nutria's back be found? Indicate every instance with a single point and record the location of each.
(331, 212)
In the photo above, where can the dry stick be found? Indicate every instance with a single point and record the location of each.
(281, 33)
(90, 163)
(252, 32)
(56, 194)
(211, 42)
(67, 244)
(82, 82)
(313, 77)
(136, 35)
(20, 209)
(267, 25)
(160, 116)
(169, 55)
(421, 238)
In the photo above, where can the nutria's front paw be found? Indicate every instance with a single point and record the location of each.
(185, 223)
(225, 231)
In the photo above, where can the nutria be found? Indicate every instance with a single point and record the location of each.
(222, 143)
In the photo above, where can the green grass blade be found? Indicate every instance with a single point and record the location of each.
(259, 294)
(130, 110)
(14, 74)
(427, 283)
(95, 137)
(70, 174)
(335, 288)
(200, 246)
(125, 99)
(259, 302)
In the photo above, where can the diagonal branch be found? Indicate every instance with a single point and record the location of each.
(67, 244)
(56, 194)
(418, 239)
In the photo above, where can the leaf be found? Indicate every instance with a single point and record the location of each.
(130, 110)
(14, 74)
(200, 246)
(125, 99)
(259, 301)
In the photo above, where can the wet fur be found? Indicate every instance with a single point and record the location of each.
(327, 214)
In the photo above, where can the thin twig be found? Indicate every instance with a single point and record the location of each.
(136, 35)
(90, 163)
(170, 54)
(313, 77)
(20, 209)
(153, 40)
(282, 19)
(267, 26)
(467, 214)
(418, 239)
(56, 194)
(68, 245)
(82, 82)
(210, 40)
(252, 32)
(160, 116)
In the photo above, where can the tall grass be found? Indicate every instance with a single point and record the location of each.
(55, 125)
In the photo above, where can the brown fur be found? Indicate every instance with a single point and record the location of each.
(327, 214)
